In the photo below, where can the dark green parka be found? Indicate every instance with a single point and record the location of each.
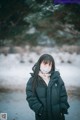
(48, 102)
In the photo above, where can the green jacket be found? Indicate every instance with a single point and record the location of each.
(48, 102)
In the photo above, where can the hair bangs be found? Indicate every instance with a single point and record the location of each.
(47, 62)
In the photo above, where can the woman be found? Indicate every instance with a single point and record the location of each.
(45, 90)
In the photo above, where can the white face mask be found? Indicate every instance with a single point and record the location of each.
(45, 69)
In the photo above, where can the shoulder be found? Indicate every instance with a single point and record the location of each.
(60, 80)
(30, 80)
(29, 84)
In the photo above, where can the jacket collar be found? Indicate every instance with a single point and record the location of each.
(55, 75)
(54, 78)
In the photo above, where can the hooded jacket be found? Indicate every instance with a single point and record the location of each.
(48, 102)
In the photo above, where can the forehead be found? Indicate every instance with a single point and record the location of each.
(46, 62)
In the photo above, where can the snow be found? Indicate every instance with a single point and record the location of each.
(70, 74)
(32, 30)
(14, 73)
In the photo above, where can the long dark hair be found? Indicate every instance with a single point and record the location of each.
(36, 68)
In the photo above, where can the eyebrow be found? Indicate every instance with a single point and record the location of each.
(47, 61)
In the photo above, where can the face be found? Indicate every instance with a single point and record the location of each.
(45, 66)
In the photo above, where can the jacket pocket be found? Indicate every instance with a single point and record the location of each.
(56, 109)
(56, 112)
(42, 115)
(62, 117)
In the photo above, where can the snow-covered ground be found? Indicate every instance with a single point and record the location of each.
(15, 69)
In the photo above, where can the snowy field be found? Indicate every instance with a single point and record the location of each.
(15, 71)
(17, 108)
(15, 68)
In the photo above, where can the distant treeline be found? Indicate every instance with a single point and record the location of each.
(13, 12)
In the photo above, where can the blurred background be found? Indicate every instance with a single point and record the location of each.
(28, 29)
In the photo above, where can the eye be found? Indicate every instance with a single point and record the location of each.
(44, 63)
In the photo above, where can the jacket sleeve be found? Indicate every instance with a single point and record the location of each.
(32, 99)
(64, 105)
